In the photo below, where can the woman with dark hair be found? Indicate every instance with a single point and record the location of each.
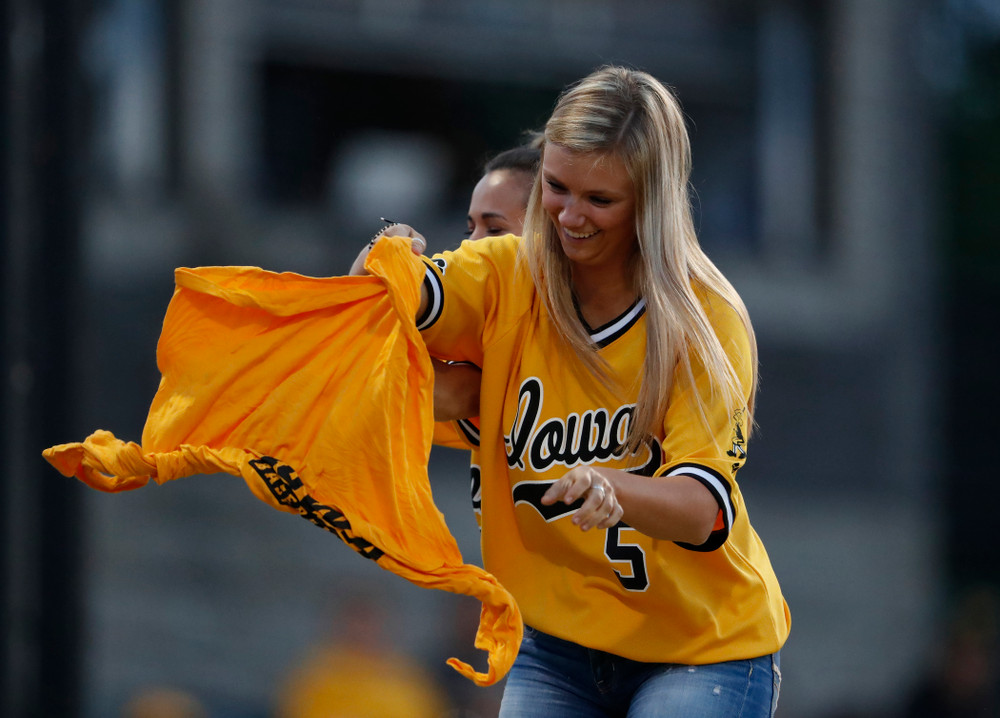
(500, 197)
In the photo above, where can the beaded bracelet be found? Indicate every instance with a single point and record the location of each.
(388, 223)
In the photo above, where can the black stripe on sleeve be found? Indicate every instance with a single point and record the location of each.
(435, 299)
(721, 490)
(469, 430)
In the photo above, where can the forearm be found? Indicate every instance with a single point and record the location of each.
(456, 391)
(672, 508)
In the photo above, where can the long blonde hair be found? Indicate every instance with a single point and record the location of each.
(632, 115)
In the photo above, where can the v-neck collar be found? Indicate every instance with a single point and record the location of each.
(607, 333)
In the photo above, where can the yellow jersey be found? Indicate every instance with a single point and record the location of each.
(615, 590)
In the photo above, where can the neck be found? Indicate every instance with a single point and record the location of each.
(601, 295)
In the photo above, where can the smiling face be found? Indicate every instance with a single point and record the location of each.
(498, 203)
(590, 200)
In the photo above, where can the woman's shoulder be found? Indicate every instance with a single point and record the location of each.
(503, 244)
(731, 324)
(496, 260)
(503, 248)
(498, 251)
(720, 309)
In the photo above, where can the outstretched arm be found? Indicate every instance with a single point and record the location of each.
(418, 245)
(456, 386)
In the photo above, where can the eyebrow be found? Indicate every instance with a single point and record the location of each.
(491, 215)
(598, 191)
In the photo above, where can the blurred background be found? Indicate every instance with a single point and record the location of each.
(847, 179)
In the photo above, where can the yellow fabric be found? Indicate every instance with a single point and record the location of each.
(318, 393)
(447, 433)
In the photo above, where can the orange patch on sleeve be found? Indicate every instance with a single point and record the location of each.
(719, 522)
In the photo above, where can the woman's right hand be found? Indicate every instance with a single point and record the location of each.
(418, 245)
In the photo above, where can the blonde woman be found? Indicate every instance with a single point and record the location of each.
(619, 370)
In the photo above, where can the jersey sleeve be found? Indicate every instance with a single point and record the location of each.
(468, 292)
(711, 449)
(458, 434)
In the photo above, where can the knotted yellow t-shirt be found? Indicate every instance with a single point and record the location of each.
(318, 393)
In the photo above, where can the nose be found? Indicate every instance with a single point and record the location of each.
(570, 214)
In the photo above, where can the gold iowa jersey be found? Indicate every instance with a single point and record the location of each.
(615, 590)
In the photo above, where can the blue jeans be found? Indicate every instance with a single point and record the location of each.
(553, 678)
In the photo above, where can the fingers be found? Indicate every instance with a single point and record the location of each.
(600, 508)
(398, 229)
(417, 244)
(613, 513)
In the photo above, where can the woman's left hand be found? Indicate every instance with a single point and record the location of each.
(600, 507)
